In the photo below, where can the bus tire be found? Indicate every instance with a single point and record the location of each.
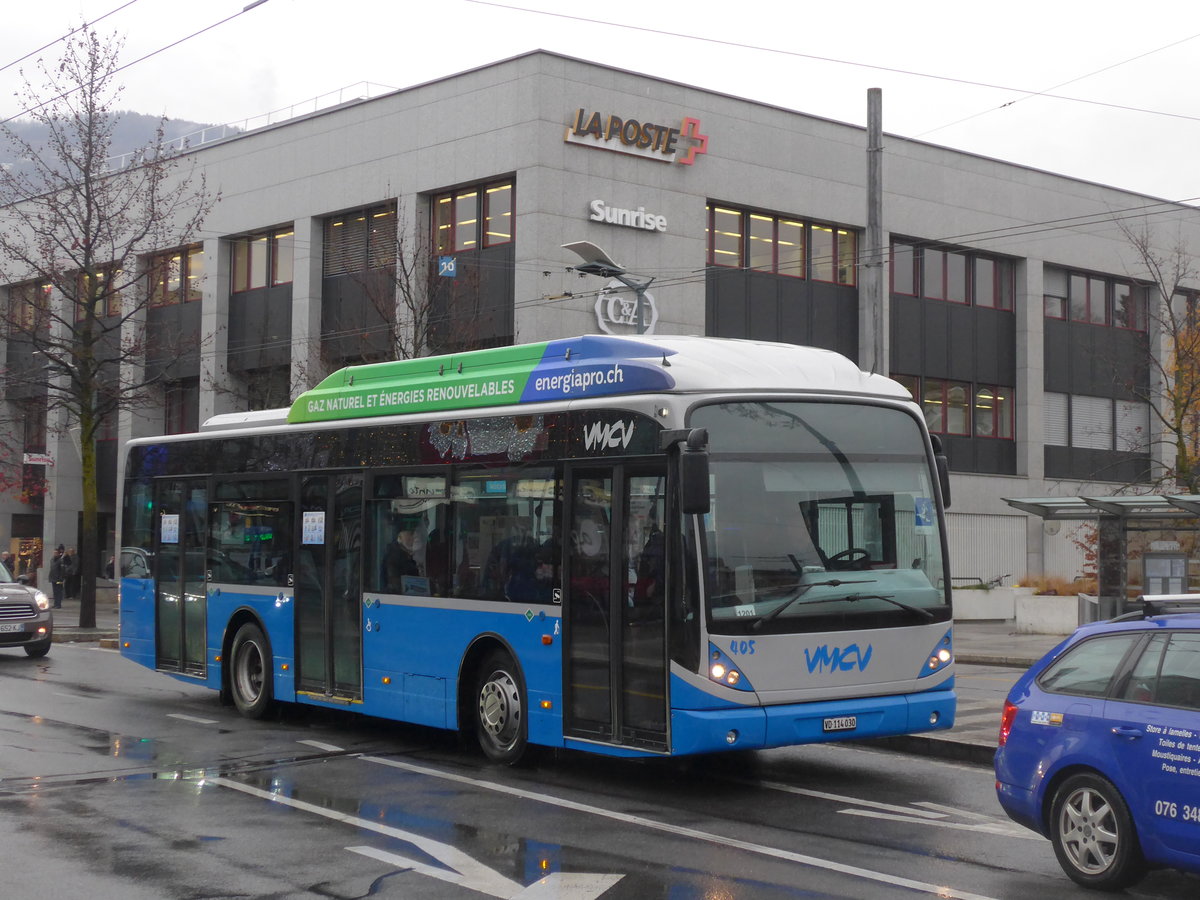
(250, 672)
(499, 709)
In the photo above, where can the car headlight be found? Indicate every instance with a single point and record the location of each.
(42, 601)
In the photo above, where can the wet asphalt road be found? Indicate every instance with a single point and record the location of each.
(117, 782)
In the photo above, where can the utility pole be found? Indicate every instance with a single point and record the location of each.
(872, 319)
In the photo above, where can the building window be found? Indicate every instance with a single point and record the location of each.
(108, 294)
(1094, 299)
(175, 276)
(473, 217)
(33, 414)
(1054, 293)
(953, 275)
(1096, 423)
(946, 405)
(361, 240)
(958, 408)
(29, 306)
(263, 260)
(786, 246)
(993, 412)
(181, 406)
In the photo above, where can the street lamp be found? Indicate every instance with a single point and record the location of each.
(597, 262)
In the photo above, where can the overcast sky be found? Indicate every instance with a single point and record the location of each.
(953, 73)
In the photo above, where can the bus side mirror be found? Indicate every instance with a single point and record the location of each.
(693, 473)
(943, 469)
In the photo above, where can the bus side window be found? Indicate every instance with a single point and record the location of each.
(505, 548)
(409, 523)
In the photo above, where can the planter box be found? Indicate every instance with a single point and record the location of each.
(1042, 614)
(996, 605)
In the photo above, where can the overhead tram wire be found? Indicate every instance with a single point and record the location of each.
(1054, 87)
(73, 31)
(967, 82)
(140, 59)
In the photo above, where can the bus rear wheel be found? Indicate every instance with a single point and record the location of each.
(250, 672)
(500, 722)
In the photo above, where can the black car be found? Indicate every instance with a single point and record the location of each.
(26, 619)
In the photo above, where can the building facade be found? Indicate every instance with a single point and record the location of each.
(1014, 306)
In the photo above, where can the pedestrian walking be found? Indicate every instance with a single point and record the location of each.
(58, 575)
(71, 561)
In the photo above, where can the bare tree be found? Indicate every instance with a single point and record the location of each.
(73, 227)
(1173, 395)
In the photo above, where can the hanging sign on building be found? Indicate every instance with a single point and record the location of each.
(663, 143)
(617, 310)
(39, 459)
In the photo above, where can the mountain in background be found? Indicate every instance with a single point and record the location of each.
(132, 132)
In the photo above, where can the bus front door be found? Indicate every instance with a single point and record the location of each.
(328, 583)
(615, 665)
(180, 588)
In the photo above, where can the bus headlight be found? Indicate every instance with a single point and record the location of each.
(940, 657)
(722, 670)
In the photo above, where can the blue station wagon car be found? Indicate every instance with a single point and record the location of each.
(1099, 748)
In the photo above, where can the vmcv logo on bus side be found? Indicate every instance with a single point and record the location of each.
(599, 435)
(839, 659)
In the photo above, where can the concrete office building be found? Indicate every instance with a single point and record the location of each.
(1012, 303)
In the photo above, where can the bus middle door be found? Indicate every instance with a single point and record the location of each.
(180, 584)
(615, 664)
(328, 584)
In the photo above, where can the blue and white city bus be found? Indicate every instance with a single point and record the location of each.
(632, 546)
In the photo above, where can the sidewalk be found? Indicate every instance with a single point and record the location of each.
(981, 692)
(66, 620)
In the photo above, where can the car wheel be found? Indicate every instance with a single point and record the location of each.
(1093, 834)
(250, 672)
(37, 651)
(500, 709)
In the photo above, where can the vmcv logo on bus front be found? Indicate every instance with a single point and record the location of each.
(839, 659)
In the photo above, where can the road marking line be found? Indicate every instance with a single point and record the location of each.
(839, 798)
(941, 891)
(984, 827)
(467, 871)
(955, 811)
(322, 746)
(555, 886)
(195, 719)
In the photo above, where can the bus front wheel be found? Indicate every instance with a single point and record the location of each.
(250, 672)
(500, 709)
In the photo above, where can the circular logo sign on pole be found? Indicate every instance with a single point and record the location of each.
(617, 310)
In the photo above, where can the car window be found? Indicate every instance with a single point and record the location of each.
(1088, 667)
(1143, 679)
(1179, 676)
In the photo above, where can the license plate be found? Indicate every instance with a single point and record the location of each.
(840, 723)
(11, 627)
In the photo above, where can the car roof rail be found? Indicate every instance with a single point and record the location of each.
(1162, 604)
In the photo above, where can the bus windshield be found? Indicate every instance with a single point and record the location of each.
(823, 518)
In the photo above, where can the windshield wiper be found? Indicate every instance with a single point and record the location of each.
(801, 590)
(850, 598)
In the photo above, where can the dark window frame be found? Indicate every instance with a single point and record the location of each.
(446, 227)
(844, 241)
(243, 264)
(158, 275)
(368, 243)
(911, 255)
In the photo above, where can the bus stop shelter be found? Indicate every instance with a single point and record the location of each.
(1167, 563)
